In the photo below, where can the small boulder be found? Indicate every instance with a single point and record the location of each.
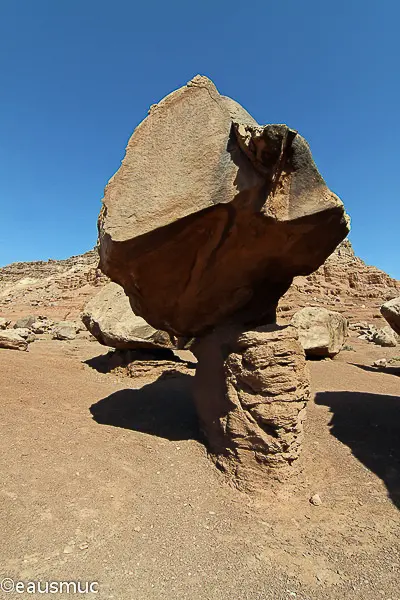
(42, 325)
(110, 319)
(384, 337)
(64, 330)
(26, 333)
(4, 323)
(11, 340)
(316, 500)
(381, 363)
(322, 332)
(25, 322)
(391, 312)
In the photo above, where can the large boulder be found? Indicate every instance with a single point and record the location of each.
(109, 317)
(322, 332)
(11, 340)
(391, 312)
(210, 215)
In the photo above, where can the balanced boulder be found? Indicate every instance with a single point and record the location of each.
(322, 332)
(210, 215)
(110, 319)
(391, 312)
(204, 226)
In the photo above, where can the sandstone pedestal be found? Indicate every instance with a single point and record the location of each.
(204, 226)
(251, 391)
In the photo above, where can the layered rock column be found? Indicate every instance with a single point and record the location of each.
(251, 391)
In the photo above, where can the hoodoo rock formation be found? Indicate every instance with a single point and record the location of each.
(205, 224)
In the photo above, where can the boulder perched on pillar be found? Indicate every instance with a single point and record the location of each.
(205, 224)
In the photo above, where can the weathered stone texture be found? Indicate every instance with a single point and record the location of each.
(210, 215)
(391, 312)
(322, 332)
(251, 391)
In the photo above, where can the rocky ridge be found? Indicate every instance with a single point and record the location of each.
(56, 288)
(344, 283)
(61, 288)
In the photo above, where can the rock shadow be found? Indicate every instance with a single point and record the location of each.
(369, 424)
(164, 408)
(389, 370)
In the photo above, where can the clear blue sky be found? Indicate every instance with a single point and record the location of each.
(77, 76)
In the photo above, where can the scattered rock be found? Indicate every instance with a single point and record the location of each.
(322, 332)
(381, 363)
(391, 312)
(110, 319)
(26, 333)
(64, 330)
(11, 340)
(42, 325)
(25, 322)
(4, 323)
(385, 337)
(316, 500)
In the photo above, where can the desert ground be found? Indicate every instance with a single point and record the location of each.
(105, 478)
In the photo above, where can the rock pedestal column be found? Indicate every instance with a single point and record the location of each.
(251, 391)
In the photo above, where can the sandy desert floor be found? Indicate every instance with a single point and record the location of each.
(106, 481)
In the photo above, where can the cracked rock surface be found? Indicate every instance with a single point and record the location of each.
(211, 215)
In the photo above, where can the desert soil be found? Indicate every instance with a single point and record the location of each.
(106, 479)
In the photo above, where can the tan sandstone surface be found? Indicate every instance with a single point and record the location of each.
(105, 479)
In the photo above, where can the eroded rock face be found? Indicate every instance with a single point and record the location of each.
(4, 323)
(385, 337)
(322, 332)
(64, 330)
(391, 312)
(210, 216)
(11, 340)
(110, 319)
(251, 393)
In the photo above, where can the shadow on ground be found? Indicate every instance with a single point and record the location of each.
(370, 425)
(163, 408)
(389, 370)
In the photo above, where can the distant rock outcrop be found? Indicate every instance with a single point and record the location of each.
(344, 283)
